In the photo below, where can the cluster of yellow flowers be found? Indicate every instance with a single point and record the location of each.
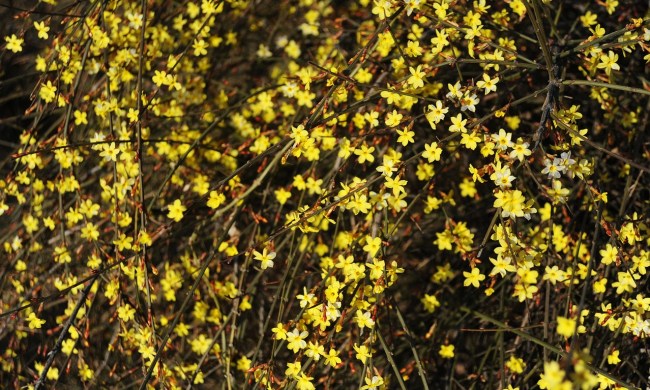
(305, 194)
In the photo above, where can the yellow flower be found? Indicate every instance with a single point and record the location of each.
(476, 176)
(553, 274)
(628, 232)
(588, 19)
(565, 326)
(625, 283)
(376, 382)
(314, 350)
(446, 351)
(282, 195)
(132, 114)
(123, 242)
(159, 77)
(454, 91)
(94, 261)
(245, 304)
(293, 370)
(85, 372)
(176, 210)
(126, 312)
(608, 254)
(68, 347)
(62, 255)
(467, 188)
(364, 320)
(14, 43)
(516, 365)
(520, 150)
(90, 232)
(600, 286)
(34, 321)
(396, 184)
(362, 353)
(244, 364)
(608, 62)
(405, 136)
(613, 358)
(216, 199)
(444, 240)
(511, 202)
(424, 171)
(432, 152)
(42, 29)
(473, 278)
(413, 49)
(30, 223)
(488, 84)
(89, 208)
(304, 382)
(279, 332)
(47, 92)
(416, 80)
(393, 118)
(80, 118)
(458, 124)
(265, 258)
(144, 238)
(20, 266)
(430, 302)
(436, 113)
(201, 344)
(373, 244)
(296, 340)
(365, 154)
(470, 140)
(52, 374)
(110, 152)
(200, 48)
(553, 377)
(210, 7)
(332, 358)
(182, 330)
(147, 351)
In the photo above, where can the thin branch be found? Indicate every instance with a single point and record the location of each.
(64, 332)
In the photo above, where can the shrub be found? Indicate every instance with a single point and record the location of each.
(301, 194)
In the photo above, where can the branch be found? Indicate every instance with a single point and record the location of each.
(62, 335)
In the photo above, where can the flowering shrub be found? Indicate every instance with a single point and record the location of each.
(345, 194)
